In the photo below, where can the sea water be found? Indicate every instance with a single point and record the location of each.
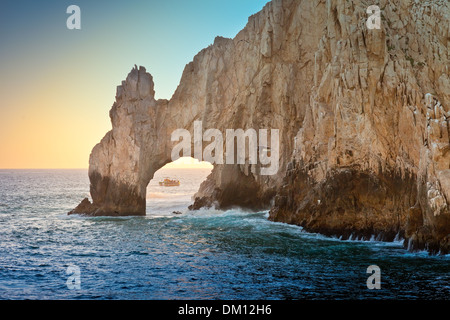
(205, 254)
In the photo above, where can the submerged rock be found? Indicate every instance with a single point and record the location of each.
(363, 118)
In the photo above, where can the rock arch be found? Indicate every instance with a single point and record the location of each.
(124, 162)
(367, 146)
(251, 81)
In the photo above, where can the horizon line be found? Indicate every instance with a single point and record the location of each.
(174, 167)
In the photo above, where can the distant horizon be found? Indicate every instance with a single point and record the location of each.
(182, 163)
(186, 167)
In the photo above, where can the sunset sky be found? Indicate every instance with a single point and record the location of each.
(57, 85)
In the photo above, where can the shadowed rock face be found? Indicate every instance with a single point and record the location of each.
(363, 118)
(348, 203)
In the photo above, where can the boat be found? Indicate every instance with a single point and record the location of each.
(169, 183)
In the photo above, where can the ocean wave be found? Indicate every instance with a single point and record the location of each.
(217, 213)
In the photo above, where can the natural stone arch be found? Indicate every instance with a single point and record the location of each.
(234, 83)
(123, 163)
(356, 123)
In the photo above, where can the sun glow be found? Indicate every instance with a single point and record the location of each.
(58, 84)
(189, 163)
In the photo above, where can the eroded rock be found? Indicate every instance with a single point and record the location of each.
(363, 118)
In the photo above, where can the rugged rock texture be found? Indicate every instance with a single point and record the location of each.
(363, 118)
(372, 156)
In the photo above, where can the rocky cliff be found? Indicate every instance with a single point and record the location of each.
(363, 117)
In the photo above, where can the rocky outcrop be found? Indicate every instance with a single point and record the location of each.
(363, 118)
(372, 155)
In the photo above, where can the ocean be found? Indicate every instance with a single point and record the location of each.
(205, 254)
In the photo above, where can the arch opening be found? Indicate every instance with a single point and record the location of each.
(168, 198)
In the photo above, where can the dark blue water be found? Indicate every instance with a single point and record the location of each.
(198, 255)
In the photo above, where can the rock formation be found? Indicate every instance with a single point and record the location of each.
(363, 118)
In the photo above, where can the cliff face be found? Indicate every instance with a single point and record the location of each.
(372, 155)
(363, 119)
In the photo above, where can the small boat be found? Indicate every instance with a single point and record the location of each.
(169, 183)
